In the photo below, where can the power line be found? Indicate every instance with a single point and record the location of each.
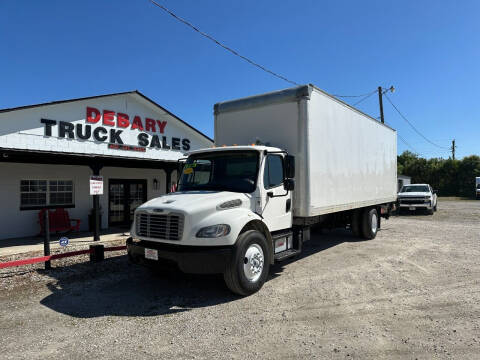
(221, 44)
(365, 98)
(406, 143)
(413, 127)
(351, 96)
(234, 52)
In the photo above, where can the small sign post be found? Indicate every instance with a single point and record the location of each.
(96, 189)
(96, 185)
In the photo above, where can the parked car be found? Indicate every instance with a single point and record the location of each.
(417, 196)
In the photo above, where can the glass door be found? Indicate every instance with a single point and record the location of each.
(124, 196)
(137, 195)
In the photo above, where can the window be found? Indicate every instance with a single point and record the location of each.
(415, 188)
(273, 175)
(41, 193)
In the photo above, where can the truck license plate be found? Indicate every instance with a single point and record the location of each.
(151, 254)
(411, 208)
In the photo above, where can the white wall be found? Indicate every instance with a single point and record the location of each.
(19, 223)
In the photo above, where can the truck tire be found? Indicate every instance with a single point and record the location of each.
(250, 264)
(369, 223)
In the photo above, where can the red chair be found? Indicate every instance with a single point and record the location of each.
(59, 220)
(64, 222)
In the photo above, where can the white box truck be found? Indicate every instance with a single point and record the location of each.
(284, 161)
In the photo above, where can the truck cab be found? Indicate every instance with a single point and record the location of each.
(231, 214)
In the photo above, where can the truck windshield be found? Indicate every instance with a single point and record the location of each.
(415, 188)
(221, 171)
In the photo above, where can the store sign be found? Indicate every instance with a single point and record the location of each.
(108, 126)
(96, 185)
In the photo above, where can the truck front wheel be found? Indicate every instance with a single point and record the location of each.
(370, 223)
(250, 264)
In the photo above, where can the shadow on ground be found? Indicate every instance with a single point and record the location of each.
(117, 288)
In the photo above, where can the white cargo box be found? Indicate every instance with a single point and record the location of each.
(345, 159)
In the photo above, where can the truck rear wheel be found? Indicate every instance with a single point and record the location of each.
(370, 222)
(250, 264)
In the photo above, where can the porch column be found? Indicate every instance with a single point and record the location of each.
(96, 167)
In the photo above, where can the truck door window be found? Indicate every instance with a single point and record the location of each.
(273, 174)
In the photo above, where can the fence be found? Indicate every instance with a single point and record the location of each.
(96, 254)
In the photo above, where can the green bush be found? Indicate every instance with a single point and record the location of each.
(449, 177)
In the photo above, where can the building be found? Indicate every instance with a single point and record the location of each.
(403, 180)
(48, 153)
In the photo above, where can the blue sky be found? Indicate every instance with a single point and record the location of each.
(429, 50)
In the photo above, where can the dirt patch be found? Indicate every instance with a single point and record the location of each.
(413, 292)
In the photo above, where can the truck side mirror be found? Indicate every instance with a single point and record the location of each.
(290, 167)
(289, 184)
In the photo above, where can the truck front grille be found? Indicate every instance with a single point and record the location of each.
(160, 226)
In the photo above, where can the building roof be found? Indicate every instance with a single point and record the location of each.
(134, 92)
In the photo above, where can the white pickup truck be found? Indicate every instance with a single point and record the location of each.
(305, 158)
(477, 187)
(417, 197)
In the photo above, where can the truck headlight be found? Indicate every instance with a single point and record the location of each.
(214, 231)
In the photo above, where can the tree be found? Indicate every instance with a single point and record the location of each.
(449, 177)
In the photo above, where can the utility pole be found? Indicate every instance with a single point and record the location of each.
(380, 101)
(453, 149)
(382, 91)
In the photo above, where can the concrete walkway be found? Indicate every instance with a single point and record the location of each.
(79, 239)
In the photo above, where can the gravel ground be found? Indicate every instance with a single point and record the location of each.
(413, 292)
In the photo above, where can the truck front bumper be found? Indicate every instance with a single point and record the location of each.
(416, 206)
(189, 259)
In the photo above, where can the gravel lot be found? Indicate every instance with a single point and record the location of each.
(413, 292)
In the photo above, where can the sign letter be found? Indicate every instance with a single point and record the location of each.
(93, 115)
(137, 123)
(122, 120)
(108, 117)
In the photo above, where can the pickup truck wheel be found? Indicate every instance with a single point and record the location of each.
(250, 264)
(370, 223)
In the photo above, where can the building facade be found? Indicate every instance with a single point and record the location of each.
(48, 152)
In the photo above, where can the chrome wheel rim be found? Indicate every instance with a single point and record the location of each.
(374, 223)
(253, 263)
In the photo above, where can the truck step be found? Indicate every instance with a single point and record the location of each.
(286, 254)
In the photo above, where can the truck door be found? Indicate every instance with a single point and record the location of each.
(277, 211)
